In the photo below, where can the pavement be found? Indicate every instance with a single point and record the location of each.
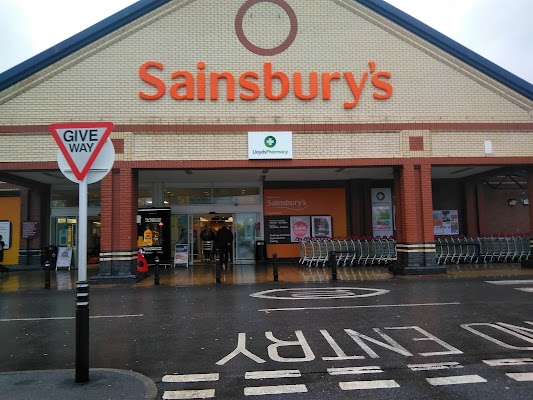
(104, 384)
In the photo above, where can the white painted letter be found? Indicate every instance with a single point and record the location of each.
(525, 337)
(341, 355)
(241, 348)
(393, 345)
(429, 336)
(273, 348)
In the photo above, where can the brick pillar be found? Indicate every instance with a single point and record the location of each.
(118, 230)
(415, 239)
(529, 263)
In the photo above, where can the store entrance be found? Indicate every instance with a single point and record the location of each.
(187, 229)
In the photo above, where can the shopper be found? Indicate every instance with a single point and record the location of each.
(207, 236)
(2, 245)
(223, 242)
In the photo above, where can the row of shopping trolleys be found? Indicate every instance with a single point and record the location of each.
(486, 249)
(356, 251)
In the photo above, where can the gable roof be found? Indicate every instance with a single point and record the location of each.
(143, 7)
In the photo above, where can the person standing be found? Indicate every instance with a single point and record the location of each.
(2, 245)
(223, 242)
(207, 235)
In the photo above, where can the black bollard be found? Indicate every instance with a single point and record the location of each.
(218, 267)
(82, 332)
(333, 263)
(47, 275)
(275, 266)
(156, 274)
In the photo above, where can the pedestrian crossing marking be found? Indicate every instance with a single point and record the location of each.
(508, 361)
(434, 366)
(364, 385)
(354, 370)
(280, 389)
(292, 373)
(191, 378)
(456, 380)
(521, 377)
(189, 394)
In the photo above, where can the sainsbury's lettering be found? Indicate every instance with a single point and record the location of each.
(276, 85)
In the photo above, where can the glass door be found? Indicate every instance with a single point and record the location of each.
(246, 230)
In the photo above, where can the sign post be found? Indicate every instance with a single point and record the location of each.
(86, 155)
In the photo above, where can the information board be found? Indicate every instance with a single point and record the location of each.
(181, 254)
(64, 258)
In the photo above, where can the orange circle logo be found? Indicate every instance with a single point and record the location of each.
(259, 50)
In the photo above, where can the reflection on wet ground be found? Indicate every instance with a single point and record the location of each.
(204, 274)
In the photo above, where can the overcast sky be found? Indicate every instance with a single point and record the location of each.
(499, 30)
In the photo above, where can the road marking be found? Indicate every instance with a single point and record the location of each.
(508, 361)
(319, 293)
(354, 370)
(191, 378)
(521, 377)
(362, 385)
(526, 289)
(188, 394)
(434, 366)
(67, 318)
(291, 373)
(511, 282)
(456, 380)
(367, 306)
(280, 389)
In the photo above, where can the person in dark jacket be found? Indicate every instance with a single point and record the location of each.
(223, 242)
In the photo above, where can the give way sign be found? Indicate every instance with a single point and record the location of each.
(80, 143)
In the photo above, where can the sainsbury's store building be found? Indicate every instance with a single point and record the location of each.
(283, 118)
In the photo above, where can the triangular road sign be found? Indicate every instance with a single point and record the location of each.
(80, 143)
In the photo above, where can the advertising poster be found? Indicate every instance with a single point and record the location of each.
(278, 229)
(153, 233)
(381, 212)
(446, 222)
(5, 231)
(64, 257)
(322, 227)
(181, 254)
(300, 228)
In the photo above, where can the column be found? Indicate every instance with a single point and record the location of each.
(415, 239)
(118, 229)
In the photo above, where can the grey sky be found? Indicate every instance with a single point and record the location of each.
(499, 30)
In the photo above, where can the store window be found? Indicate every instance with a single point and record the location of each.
(208, 195)
(69, 197)
(145, 196)
(236, 196)
(187, 196)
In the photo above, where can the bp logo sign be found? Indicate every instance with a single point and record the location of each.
(380, 196)
(270, 141)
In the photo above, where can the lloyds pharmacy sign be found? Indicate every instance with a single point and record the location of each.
(269, 145)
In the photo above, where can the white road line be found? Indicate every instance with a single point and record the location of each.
(290, 373)
(526, 289)
(456, 380)
(521, 377)
(362, 385)
(512, 282)
(191, 378)
(434, 366)
(67, 318)
(280, 389)
(354, 370)
(508, 361)
(189, 394)
(351, 307)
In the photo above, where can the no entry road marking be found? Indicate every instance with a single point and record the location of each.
(352, 307)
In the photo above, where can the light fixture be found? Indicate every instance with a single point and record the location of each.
(512, 202)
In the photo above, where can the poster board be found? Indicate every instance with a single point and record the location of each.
(64, 258)
(321, 226)
(5, 231)
(445, 222)
(181, 254)
(382, 212)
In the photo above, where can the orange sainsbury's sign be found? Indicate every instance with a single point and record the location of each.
(270, 84)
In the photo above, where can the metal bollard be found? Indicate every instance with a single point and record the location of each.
(47, 275)
(275, 266)
(333, 262)
(82, 332)
(218, 268)
(156, 273)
